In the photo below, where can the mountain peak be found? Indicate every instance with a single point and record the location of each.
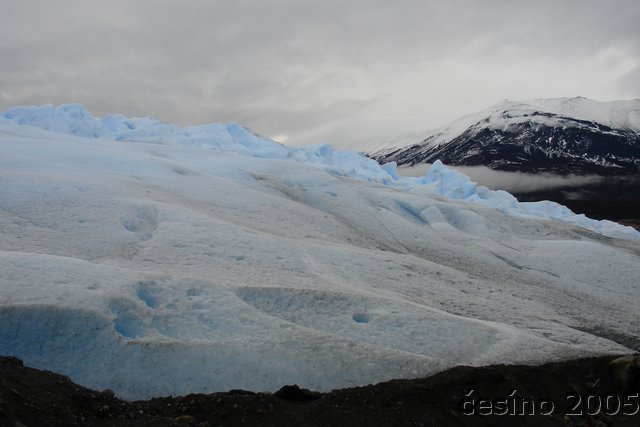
(561, 135)
(620, 114)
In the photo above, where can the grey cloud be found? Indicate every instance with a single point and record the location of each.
(333, 71)
(629, 83)
(513, 182)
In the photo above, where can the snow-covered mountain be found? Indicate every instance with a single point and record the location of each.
(561, 135)
(156, 260)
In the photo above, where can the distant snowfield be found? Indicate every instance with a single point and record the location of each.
(154, 260)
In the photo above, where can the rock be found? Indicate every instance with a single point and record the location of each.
(592, 385)
(593, 422)
(13, 361)
(625, 370)
(108, 392)
(236, 391)
(184, 420)
(296, 394)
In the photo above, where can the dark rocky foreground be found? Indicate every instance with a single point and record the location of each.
(557, 394)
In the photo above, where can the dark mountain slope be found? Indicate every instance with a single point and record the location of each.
(561, 136)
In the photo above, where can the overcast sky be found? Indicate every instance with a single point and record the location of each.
(304, 72)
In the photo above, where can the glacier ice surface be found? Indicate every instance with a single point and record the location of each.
(156, 260)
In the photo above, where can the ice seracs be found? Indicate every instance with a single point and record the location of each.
(75, 120)
(210, 258)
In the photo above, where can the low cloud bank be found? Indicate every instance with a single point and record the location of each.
(513, 182)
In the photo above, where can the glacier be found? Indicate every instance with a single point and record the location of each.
(154, 260)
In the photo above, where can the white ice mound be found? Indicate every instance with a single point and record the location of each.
(74, 119)
(168, 264)
(457, 185)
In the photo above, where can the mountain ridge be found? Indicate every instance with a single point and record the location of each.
(558, 135)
